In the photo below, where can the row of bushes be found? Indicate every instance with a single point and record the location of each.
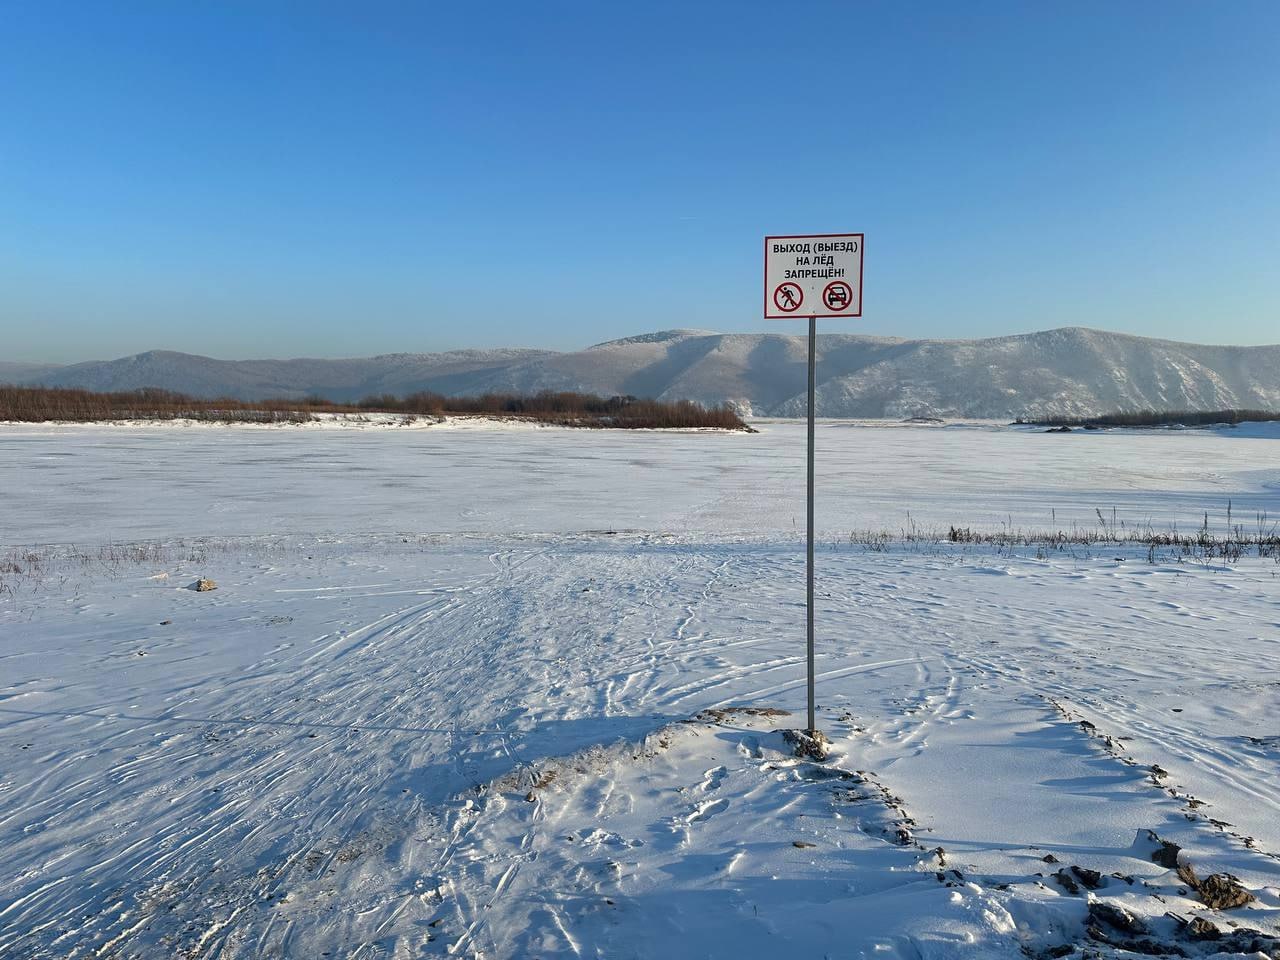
(1159, 418)
(565, 407)
(42, 404)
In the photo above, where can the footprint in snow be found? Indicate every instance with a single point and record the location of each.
(712, 779)
(598, 837)
(707, 810)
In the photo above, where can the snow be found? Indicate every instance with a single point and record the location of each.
(81, 483)
(416, 731)
(318, 421)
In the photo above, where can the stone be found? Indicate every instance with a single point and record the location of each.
(1201, 929)
(1166, 855)
(1067, 882)
(1118, 918)
(1221, 891)
(1187, 874)
(1090, 878)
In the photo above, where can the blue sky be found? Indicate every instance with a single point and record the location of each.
(260, 178)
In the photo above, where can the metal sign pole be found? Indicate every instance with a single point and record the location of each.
(822, 272)
(813, 337)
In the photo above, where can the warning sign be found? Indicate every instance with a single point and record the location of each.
(815, 276)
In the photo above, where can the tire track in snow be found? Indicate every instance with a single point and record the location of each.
(368, 641)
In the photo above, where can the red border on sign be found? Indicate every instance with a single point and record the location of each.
(827, 289)
(862, 240)
(799, 303)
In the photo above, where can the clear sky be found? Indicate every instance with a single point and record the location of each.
(252, 178)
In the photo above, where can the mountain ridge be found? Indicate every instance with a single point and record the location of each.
(1066, 371)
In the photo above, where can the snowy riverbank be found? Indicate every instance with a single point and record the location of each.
(333, 749)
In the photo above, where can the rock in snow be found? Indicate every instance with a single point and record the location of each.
(1221, 891)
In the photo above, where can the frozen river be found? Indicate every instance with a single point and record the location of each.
(91, 483)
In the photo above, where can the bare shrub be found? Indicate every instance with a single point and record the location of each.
(565, 408)
(1158, 418)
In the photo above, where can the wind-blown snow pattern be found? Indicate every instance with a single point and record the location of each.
(559, 730)
(1073, 371)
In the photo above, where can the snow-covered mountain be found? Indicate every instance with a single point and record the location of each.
(11, 372)
(397, 373)
(1073, 370)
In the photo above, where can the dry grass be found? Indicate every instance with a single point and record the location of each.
(32, 569)
(1229, 542)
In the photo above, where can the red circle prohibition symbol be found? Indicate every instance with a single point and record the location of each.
(837, 295)
(787, 297)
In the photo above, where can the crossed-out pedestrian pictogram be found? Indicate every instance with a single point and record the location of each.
(788, 297)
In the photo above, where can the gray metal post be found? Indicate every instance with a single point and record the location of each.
(813, 337)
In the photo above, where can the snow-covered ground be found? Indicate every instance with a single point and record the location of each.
(472, 723)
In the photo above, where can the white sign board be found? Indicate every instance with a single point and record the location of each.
(817, 276)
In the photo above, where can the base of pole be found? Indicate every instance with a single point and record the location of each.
(807, 744)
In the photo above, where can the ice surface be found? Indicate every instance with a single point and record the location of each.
(87, 483)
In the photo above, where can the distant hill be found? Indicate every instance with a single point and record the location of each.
(397, 373)
(1067, 372)
(23, 372)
